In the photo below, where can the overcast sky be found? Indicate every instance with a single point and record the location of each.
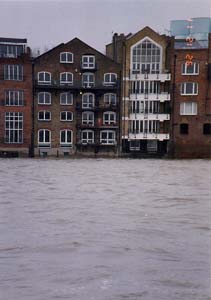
(47, 23)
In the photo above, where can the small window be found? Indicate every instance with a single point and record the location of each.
(66, 137)
(44, 98)
(188, 108)
(66, 78)
(88, 80)
(66, 116)
(110, 78)
(183, 128)
(109, 118)
(44, 138)
(66, 99)
(88, 62)
(88, 100)
(108, 137)
(207, 129)
(44, 77)
(44, 115)
(88, 118)
(189, 88)
(190, 69)
(87, 137)
(110, 99)
(66, 57)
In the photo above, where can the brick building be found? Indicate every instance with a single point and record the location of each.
(76, 96)
(191, 114)
(146, 62)
(15, 98)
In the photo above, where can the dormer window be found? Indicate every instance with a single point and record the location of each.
(88, 62)
(110, 78)
(44, 77)
(66, 57)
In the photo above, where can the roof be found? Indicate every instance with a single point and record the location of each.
(195, 45)
(13, 40)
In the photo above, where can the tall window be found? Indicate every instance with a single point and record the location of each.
(107, 137)
(66, 78)
(66, 116)
(66, 98)
(88, 61)
(66, 137)
(189, 88)
(110, 99)
(88, 80)
(44, 138)
(88, 118)
(44, 98)
(13, 127)
(87, 137)
(14, 98)
(110, 78)
(109, 118)
(66, 57)
(192, 69)
(44, 115)
(44, 77)
(188, 108)
(13, 72)
(146, 57)
(88, 100)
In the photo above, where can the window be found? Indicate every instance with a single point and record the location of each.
(66, 57)
(146, 57)
(88, 100)
(14, 98)
(13, 127)
(66, 78)
(66, 99)
(110, 78)
(44, 77)
(44, 115)
(87, 137)
(88, 80)
(88, 61)
(13, 72)
(66, 116)
(65, 137)
(107, 137)
(109, 118)
(192, 69)
(88, 118)
(188, 108)
(11, 50)
(110, 99)
(44, 138)
(189, 88)
(207, 129)
(183, 128)
(44, 98)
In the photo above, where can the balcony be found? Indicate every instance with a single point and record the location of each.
(150, 116)
(148, 136)
(162, 97)
(153, 77)
(85, 68)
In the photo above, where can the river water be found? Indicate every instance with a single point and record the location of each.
(105, 229)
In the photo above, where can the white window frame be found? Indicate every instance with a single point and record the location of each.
(66, 143)
(66, 94)
(44, 95)
(88, 104)
(88, 64)
(14, 98)
(88, 83)
(87, 140)
(14, 127)
(66, 113)
(44, 143)
(109, 96)
(85, 118)
(13, 72)
(66, 81)
(45, 112)
(44, 75)
(185, 108)
(107, 140)
(109, 121)
(66, 54)
(183, 91)
(110, 81)
(185, 67)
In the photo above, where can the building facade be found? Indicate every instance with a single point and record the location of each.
(76, 102)
(16, 98)
(146, 62)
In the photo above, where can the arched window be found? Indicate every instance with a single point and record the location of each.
(66, 116)
(44, 98)
(44, 77)
(66, 98)
(88, 100)
(110, 78)
(66, 137)
(146, 57)
(109, 117)
(88, 80)
(66, 78)
(44, 138)
(66, 57)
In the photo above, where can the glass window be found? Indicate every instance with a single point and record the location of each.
(107, 137)
(66, 57)
(44, 98)
(110, 99)
(88, 118)
(66, 116)
(66, 98)
(66, 78)
(66, 137)
(189, 88)
(44, 115)
(88, 80)
(190, 69)
(44, 138)
(44, 77)
(13, 72)
(88, 61)
(188, 108)
(11, 50)
(87, 137)
(183, 128)
(110, 78)
(13, 127)
(14, 98)
(88, 100)
(207, 129)
(109, 118)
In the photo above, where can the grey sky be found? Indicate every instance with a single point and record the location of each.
(48, 23)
